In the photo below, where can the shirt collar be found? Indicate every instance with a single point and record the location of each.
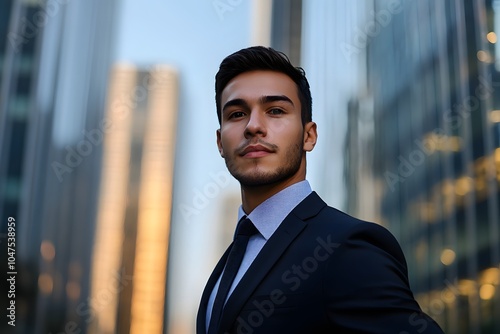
(268, 215)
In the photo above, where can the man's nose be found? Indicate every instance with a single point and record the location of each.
(256, 124)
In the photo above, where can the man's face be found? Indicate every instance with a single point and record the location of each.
(261, 137)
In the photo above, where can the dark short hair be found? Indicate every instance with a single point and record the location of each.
(262, 58)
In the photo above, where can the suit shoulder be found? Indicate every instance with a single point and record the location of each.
(333, 217)
(326, 220)
(345, 226)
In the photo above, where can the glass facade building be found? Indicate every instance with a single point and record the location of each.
(18, 44)
(434, 82)
(286, 28)
(56, 57)
(17, 60)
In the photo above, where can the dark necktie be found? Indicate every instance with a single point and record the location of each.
(244, 230)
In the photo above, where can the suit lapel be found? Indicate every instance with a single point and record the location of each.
(288, 230)
(202, 310)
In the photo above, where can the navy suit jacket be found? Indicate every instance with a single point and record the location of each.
(322, 271)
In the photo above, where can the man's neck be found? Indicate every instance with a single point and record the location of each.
(251, 197)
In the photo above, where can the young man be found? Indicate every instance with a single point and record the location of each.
(305, 267)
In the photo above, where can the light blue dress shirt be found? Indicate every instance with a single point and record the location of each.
(266, 217)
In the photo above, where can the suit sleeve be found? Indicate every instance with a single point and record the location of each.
(367, 286)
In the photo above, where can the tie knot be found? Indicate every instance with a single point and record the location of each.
(246, 228)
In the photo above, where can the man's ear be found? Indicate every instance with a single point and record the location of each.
(310, 136)
(219, 143)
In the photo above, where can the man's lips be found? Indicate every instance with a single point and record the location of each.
(255, 151)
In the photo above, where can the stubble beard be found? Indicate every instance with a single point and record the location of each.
(262, 178)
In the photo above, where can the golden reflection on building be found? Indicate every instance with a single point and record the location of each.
(442, 303)
(155, 204)
(113, 200)
(131, 244)
(437, 143)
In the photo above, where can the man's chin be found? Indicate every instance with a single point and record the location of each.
(254, 179)
(261, 179)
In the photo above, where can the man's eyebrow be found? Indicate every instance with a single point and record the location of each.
(237, 103)
(275, 98)
(263, 100)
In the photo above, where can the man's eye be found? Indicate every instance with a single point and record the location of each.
(237, 114)
(276, 111)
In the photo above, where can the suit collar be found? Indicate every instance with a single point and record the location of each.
(309, 207)
(268, 215)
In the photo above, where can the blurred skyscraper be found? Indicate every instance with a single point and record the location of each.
(54, 80)
(286, 28)
(335, 78)
(129, 265)
(16, 72)
(16, 75)
(433, 83)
